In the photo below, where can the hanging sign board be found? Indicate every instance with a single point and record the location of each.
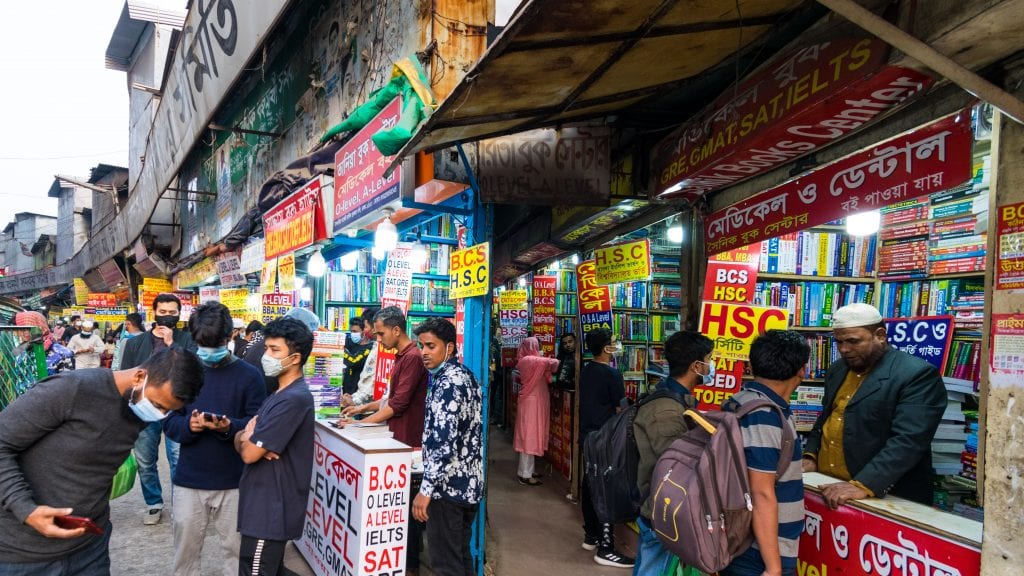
(196, 275)
(733, 327)
(286, 272)
(236, 299)
(253, 257)
(804, 100)
(360, 188)
(930, 159)
(229, 268)
(469, 272)
(544, 313)
(624, 262)
(927, 337)
(275, 305)
(101, 300)
(208, 294)
(81, 292)
(595, 301)
(268, 277)
(289, 226)
(398, 279)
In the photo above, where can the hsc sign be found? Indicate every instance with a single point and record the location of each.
(734, 327)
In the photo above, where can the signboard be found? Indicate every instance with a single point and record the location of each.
(544, 313)
(157, 284)
(360, 188)
(595, 301)
(229, 268)
(1010, 243)
(469, 272)
(927, 337)
(733, 327)
(1007, 355)
(624, 262)
(289, 225)
(578, 232)
(382, 374)
(398, 278)
(851, 540)
(514, 320)
(803, 100)
(286, 272)
(101, 300)
(253, 257)
(209, 294)
(236, 299)
(567, 166)
(196, 275)
(268, 276)
(81, 292)
(276, 305)
(930, 159)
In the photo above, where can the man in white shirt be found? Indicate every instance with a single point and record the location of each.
(87, 346)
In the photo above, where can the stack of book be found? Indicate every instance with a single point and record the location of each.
(812, 253)
(806, 406)
(903, 252)
(367, 431)
(958, 239)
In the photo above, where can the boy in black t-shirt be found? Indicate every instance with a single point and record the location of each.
(602, 392)
(277, 447)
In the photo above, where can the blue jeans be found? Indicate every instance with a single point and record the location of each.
(93, 560)
(147, 453)
(750, 564)
(652, 558)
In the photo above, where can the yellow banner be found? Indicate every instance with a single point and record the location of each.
(512, 299)
(157, 285)
(81, 292)
(197, 274)
(734, 327)
(269, 277)
(469, 271)
(286, 272)
(625, 262)
(236, 299)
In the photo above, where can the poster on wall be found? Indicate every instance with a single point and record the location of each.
(1007, 348)
(1010, 244)
(544, 313)
(229, 269)
(514, 323)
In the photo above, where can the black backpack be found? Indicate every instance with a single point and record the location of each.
(610, 461)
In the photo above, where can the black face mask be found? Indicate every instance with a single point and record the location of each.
(167, 321)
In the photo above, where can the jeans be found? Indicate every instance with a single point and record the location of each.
(147, 453)
(93, 560)
(652, 558)
(193, 513)
(449, 530)
(750, 564)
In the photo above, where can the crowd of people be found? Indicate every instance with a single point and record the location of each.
(229, 402)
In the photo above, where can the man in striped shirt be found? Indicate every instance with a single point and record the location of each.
(778, 361)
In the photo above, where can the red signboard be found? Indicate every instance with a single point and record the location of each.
(289, 225)
(544, 313)
(360, 188)
(595, 302)
(850, 541)
(101, 300)
(1010, 247)
(932, 158)
(804, 100)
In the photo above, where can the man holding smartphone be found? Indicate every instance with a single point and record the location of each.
(166, 312)
(61, 444)
(206, 479)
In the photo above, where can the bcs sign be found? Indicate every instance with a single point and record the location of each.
(469, 272)
(730, 282)
(734, 327)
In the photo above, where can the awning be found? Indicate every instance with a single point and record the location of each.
(565, 60)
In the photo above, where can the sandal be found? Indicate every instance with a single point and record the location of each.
(529, 481)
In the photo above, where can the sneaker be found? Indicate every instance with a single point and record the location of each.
(590, 542)
(529, 481)
(613, 559)
(152, 516)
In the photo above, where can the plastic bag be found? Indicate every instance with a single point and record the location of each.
(124, 480)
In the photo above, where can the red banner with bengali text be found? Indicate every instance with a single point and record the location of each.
(289, 225)
(544, 313)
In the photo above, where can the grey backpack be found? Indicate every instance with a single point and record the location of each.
(700, 490)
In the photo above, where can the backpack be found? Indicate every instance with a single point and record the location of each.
(610, 461)
(701, 492)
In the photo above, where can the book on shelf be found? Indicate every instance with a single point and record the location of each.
(811, 253)
(566, 304)
(666, 296)
(438, 258)
(353, 287)
(429, 296)
(811, 303)
(630, 295)
(662, 326)
(630, 326)
(565, 280)
(337, 317)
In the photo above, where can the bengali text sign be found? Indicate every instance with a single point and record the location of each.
(927, 337)
(733, 327)
(360, 187)
(595, 301)
(288, 226)
(624, 262)
(1010, 247)
(544, 313)
(469, 272)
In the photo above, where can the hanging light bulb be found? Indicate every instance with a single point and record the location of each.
(864, 223)
(554, 265)
(386, 236)
(350, 261)
(675, 231)
(522, 281)
(575, 259)
(419, 256)
(378, 253)
(317, 266)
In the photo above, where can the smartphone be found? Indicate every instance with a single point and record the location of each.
(72, 522)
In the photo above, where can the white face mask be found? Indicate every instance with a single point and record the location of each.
(144, 409)
(272, 366)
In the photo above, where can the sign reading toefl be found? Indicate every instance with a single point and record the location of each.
(734, 327)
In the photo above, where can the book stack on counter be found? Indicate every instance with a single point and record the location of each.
(958, 238)
(903, 250)
(951, 434)
(367, 431)
(811, 253)
(806, 404)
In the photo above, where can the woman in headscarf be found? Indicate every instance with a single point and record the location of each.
(58, 357)
(534, 411)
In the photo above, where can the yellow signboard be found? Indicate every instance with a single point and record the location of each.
(733, 327)
(286, 272)
(624, 262)
(197, 274)
(512, 299)
(268, 278)
(469, 271)
(81, 292)
(157, 285)
(236, 299)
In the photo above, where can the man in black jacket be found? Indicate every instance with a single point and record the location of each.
(166, 312)
(882, 407)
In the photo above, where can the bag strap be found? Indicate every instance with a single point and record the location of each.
(662, 393)
(788, 434)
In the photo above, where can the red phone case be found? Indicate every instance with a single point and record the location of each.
(72, 522)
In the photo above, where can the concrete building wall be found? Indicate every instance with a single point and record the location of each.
(72, 225)
(147, 70)
(26, 231)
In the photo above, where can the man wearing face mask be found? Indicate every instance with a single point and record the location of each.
(357, 350)
(602, 394)
(452, 485)
(132, 328)
(206, 478)
(61, 444)
(166, 312)
(87, 346)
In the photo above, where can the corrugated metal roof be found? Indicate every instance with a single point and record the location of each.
(135, 17)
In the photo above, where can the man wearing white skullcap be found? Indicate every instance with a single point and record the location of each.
(882, 407)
